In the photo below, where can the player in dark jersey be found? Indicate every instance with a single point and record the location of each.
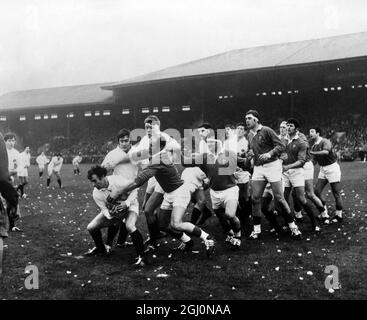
(323, 154)
(293, 172)
(220, 165)
(266, 148)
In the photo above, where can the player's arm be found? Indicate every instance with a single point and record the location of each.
(279, 147)
(326, 147)
(301, 158)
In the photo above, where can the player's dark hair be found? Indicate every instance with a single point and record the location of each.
(99, 171)
(58, 154)
(123, 133)
(229, 125)
(240, 124)
(205, 125)
(317, 130)
(152, 119)
(294, 122)
(9, 136)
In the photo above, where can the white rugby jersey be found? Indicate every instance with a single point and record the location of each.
(203, 146)
(13, 158)
(77, 160)
(236, 145)
(56, 164)
(24, 160)
(42, 160)
(128, 170)
(115, 185)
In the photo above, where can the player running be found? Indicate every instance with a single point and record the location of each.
(330, 172)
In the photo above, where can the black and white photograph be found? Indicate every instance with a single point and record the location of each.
(181, 154)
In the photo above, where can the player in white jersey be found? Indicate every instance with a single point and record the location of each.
(41, 160)
(127, 170)
(54, 167)
(197, 180)
(23, 165)
(128, 210)
(76, 163)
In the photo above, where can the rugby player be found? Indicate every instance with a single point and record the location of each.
(76, 164)
(54, 167)
(220, 165)
(293, 171)
(41, 160)
(128, 209)
(266, 148)
(22, 170)
(323, 154)
(13, 160)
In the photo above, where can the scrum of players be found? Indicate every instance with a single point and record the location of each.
(252, 173)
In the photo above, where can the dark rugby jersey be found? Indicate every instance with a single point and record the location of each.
(265, 140)
(220, 170)
(166, 175)
(304, 138)
(324, 160)
(296, 151)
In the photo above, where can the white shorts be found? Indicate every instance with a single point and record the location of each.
(271, 172)
(309, 170)
(221, 197)
(330, 173)
(41, 167)
(294, 178)
(181, 197)
(242, 176)
(50, 171)
(153, 186)
(23, 172)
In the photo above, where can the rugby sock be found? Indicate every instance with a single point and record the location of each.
(310, 213)
(59, 182)
(78, 171)
(236, 226)
(48, 182)
(137, 239)
(111, 233)
(195, 215)
(153, 229)
(257, 224)
(40, 174)
(223, 221)
(270, 216)
(97, 238)
(248, 207)
(123, 234)
(74, 172)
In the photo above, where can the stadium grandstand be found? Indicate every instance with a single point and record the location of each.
(322, 82)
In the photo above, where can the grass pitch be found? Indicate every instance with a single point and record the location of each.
(54, 223)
